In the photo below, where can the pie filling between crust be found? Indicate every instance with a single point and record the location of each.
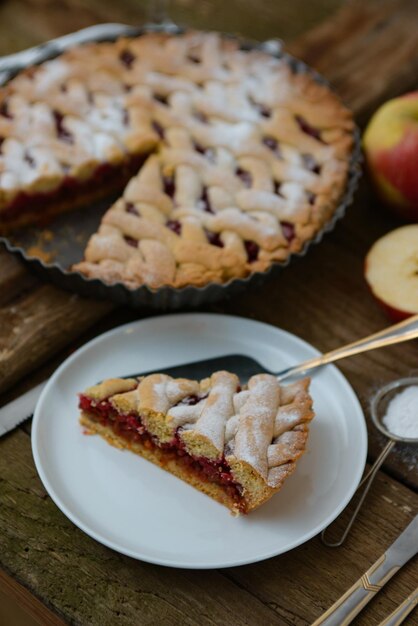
(236, 444)
(39, 207)
(131, 427)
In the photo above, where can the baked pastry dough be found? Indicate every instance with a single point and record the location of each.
(237, 445)
(245, 159)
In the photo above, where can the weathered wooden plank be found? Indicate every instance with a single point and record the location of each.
(40, 323)
(22, 25)
(18, 607)
(14, 278)
(301, 585)
(91, 584)
(369, 50)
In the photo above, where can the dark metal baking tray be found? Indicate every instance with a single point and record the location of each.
(64, 240)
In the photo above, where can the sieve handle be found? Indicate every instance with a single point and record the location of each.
(366, 483)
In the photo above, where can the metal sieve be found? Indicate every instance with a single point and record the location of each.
(378, 406)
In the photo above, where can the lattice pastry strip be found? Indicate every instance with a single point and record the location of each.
(169, 203)
(246, 438)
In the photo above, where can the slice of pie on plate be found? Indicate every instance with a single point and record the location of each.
(236, 444)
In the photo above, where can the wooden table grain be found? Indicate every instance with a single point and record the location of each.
(369, 51)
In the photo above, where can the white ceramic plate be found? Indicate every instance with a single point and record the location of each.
(140, 510)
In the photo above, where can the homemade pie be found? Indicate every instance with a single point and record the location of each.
(241, 159)
(237, 445)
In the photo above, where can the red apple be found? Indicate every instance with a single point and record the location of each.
(390, 144)
(391, 270)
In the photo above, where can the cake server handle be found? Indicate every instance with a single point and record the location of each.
(403, 331)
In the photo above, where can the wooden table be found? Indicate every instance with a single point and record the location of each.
(369, 51)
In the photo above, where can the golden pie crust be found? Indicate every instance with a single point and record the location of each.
(256, 433)
(247, 158)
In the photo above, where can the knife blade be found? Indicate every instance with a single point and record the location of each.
(17, 411)
(344, 610)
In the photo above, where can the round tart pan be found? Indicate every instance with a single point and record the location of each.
(51, 251)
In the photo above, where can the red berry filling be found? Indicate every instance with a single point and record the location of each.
(202, 117)
(169, 186)
(245, 176)
(158, 129)
(71, 189)
(288, 230)
(311, 164)
(264, 110)
(207, 152)
(311, 197)
(4, 110)
(252, 250)
(127, 58)
(277, 186)
(214, 239)
(161, 98)
(131, 241)
(198, 147)
(306, 128)
(131, 208)
(174, 225)
(29, 159)
(131, 428)
(191, 400)
(204, 202)
(272, 143)
(125, 117)
(62, 133)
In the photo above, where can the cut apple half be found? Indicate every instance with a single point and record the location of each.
(391, 271)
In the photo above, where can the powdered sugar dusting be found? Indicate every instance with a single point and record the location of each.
(176, 390)
(401, 417)
(255, 430)
(184, 414)
(231, 427)
(218, 408)
(250, 425)
(240, 399)
(287, 418)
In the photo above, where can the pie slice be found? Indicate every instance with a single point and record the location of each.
(235, 444)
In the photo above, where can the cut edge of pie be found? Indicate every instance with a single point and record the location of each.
(38, 208)
(236, 445)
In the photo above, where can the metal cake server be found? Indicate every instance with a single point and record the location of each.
(20, 409)
(355, 599)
